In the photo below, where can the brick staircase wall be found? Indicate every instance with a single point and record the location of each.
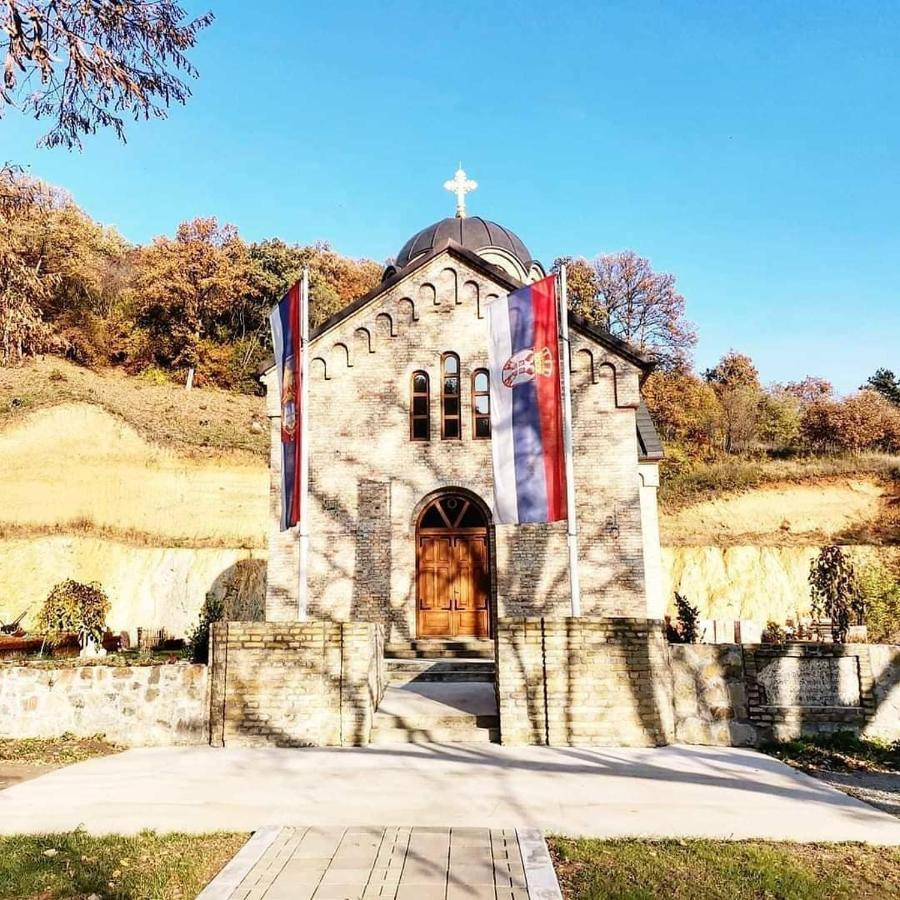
(295, 684)
(617, 682)
(600, 681)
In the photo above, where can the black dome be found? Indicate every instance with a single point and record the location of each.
(472, 232)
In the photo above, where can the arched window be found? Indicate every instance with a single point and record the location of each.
(481, 404)
(450, 418)
(419, 407)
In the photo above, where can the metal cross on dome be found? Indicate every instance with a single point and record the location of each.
(460, 185)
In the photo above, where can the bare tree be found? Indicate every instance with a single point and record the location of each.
(621, 293)
(88, 63)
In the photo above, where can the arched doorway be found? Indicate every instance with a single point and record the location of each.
(453, 574)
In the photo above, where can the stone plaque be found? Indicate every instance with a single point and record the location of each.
(810, 681)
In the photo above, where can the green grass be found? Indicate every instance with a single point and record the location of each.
(148, 866)
(705, 481)
(841, 752)
(61, 751)
(723, 870)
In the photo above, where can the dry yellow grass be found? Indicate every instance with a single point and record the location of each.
(204, 422)
(77, 468)
(781, 515)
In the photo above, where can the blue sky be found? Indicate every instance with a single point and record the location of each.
(753, 149)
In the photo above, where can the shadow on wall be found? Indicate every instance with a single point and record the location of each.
(595, 681)
(242, 589)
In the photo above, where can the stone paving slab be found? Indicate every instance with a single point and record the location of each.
(393, 863)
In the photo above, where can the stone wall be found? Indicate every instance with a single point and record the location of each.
(132, 706)
(599, 681)
(294, 683)
(709, 695)
(884, 662)
(734, 695)
(368, 479)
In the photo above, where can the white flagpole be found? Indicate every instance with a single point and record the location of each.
(571, 523)
(303, 523)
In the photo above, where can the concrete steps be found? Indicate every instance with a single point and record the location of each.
(441, 671)
(441, 712)
(462, 649)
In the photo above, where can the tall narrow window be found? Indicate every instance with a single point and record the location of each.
(420, 407)
(481, 404)
(450, 420)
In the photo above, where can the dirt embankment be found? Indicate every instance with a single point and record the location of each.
(783, 516)
(84, 495)
(78, 469)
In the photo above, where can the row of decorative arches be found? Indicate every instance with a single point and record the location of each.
(584, 365)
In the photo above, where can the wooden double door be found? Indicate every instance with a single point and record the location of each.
(453, 584)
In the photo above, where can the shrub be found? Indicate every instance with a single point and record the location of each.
(880, 591)
(863, 421)
(688, 629)
(198, 640)
(156, 375)
(74, 607)
(774, 633)
(834, 591)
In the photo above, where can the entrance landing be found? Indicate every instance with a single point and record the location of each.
(446, 712)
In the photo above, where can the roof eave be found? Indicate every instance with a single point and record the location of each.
(495, 273)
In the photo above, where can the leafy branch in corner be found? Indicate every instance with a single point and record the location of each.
(88, 63)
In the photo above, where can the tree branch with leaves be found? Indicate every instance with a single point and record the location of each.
(87, 64)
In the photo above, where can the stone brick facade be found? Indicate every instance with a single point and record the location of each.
(368, 480)
(294, 684)
(592, 681)
(133, 706)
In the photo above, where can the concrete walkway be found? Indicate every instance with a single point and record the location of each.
(665, 792)
(389, 864)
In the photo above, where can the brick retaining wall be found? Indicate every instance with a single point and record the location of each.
(295, 683)
(600, 681)
(132, 706)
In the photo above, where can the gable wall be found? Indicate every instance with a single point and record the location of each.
(367, 479)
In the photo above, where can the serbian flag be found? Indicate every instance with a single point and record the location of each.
(285, 322)
(526, 406)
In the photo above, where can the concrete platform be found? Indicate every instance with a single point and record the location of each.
(414, 702)
(437, 711)
(665, 792)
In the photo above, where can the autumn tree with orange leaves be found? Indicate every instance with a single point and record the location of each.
(194, 289)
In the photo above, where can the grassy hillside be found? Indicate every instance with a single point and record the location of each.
(203, 422)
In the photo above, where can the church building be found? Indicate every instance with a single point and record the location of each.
(401, 528)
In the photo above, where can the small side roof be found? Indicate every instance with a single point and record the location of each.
(650, 448)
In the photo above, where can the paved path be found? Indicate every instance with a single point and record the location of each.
(389, 864)
(16, 773)
(661, 792)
